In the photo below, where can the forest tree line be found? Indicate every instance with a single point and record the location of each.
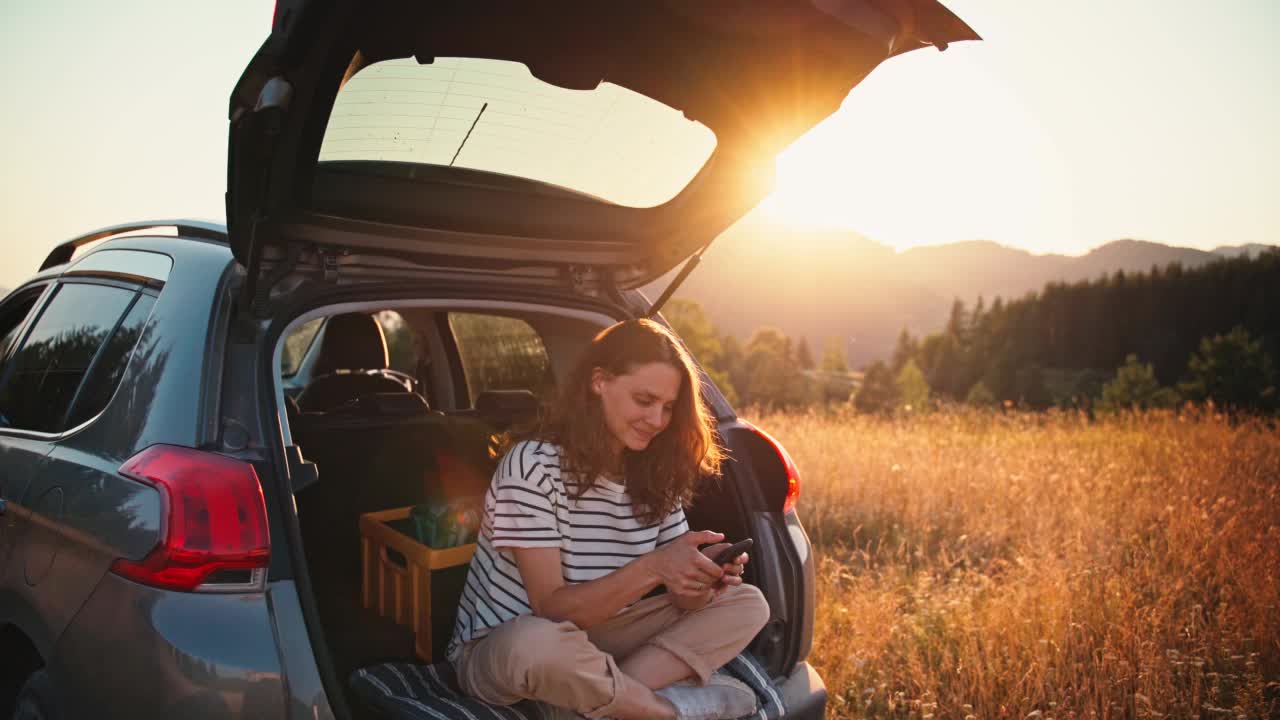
(1156, 338)
(1185, 334)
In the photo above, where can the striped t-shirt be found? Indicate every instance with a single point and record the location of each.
(530, 505)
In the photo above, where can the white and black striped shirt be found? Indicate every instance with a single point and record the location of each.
(529, 505)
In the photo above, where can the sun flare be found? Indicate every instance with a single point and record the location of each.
(926, 152)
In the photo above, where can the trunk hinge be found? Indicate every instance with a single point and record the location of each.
(278, 273)
(593, 281)
(687, 268)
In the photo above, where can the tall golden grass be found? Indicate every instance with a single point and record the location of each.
(979, 565)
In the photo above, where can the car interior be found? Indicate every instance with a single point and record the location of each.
(399, 408)
(404, 406)
(409, 405)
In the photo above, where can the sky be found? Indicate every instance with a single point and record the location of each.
(1069, 126)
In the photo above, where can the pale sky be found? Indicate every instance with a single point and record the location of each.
(1072, 125)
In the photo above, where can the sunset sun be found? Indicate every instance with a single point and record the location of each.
(928, 150)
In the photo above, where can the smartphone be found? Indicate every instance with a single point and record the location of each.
(728, 555)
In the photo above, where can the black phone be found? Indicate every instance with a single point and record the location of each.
(727, 555)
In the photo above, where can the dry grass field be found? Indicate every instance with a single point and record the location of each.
(979, 565)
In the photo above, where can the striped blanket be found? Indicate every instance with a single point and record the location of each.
(430, 692)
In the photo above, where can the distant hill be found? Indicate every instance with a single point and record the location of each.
(819, 283)
(1235, 251)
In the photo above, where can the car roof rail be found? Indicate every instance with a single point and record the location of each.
(186, 228)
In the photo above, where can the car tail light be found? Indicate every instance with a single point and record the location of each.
(214, 534)
(793, 475)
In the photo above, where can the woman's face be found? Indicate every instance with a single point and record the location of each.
(637, 405)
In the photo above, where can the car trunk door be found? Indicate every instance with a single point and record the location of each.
(722, 85)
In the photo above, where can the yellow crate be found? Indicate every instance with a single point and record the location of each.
(402, 593)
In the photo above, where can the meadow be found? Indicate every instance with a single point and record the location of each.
(984, 565)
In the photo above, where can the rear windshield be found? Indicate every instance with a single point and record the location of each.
(493, 115)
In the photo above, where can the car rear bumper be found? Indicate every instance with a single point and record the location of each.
(804, 694)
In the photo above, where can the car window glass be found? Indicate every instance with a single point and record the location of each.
(501, 353)
(403, 351)
(495, 116)
(11, 317)
(129, 262)
(296, 345)
(45, 372)
(111, 363)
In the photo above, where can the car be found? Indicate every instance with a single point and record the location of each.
(431, 207)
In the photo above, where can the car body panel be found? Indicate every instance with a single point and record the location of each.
(804, 694)
(22, 460)
(306, 699)
(171, 654)
(82, 517)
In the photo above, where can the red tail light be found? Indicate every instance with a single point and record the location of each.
(793, 475)
(215, 519)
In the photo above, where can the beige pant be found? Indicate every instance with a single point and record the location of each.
(530, 657)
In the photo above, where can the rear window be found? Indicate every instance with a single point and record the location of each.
(493, 115)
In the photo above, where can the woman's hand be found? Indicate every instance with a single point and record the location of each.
(732, 569)
(682, 568)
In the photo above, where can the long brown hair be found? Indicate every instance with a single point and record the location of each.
(664, 474)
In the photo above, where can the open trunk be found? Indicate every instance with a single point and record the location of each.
(472, 374)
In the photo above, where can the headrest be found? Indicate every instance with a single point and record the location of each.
(352, 342)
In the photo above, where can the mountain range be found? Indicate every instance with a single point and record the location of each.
(833, 283)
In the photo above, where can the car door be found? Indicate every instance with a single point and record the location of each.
(56, 380)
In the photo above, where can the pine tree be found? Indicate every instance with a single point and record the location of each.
(913, 389)
(1233, 371)
(980, 396)
(1135, 387)
(958, 321)
(906, 349)
(804, 358)
(878, 392)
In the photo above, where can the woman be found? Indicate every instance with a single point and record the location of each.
(582, 524)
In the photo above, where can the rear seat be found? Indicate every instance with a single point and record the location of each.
(376, 463)
(377, 453)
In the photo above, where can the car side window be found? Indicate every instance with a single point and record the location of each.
(44, 374)
(403, 352)
(501, 353)
(12, 315)
(109, 368)
(296, 346)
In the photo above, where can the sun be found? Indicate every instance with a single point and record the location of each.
(927, 150)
